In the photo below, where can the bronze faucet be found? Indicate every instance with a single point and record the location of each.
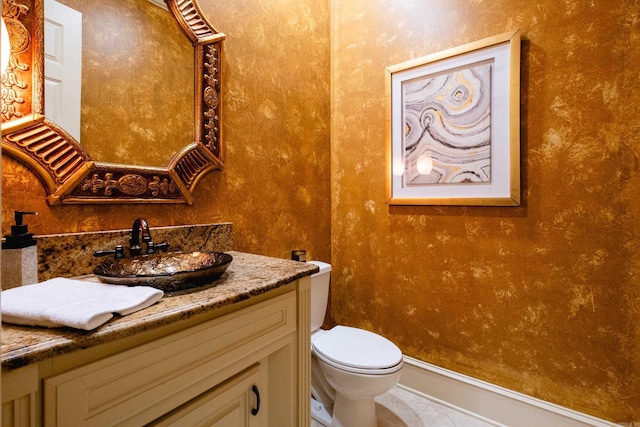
(140, 226)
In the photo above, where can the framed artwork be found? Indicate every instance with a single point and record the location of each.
(453, 130)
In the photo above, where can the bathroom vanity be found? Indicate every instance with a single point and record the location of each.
(236, 353)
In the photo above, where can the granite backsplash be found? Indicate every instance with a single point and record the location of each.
(71, 255)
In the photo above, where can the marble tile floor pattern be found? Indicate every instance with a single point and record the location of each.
(402, 408)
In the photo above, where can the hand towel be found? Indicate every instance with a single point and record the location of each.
(75, 303)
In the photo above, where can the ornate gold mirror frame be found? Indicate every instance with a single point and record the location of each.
(67, 171)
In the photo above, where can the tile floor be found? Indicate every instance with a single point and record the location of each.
(401, 408)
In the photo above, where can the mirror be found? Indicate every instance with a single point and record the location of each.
(130, 56)
(74, 172)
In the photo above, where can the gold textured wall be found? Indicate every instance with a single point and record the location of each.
(543, 298)
(275, 186)
(134, 59)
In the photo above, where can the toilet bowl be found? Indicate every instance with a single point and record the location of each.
(350, 366)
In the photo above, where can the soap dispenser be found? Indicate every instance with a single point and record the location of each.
(19, 255)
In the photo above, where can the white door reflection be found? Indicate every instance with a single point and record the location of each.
(63, 66)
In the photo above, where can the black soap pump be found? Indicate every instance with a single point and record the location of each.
(19, 255)
(20, 236)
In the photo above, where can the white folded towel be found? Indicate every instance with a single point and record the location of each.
(75, 303)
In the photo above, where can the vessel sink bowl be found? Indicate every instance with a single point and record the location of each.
(170, 272)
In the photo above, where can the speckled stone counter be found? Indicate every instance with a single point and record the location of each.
(247, 276)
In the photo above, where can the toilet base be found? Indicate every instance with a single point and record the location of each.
(319, 413)
(354, 413)
(361, 413)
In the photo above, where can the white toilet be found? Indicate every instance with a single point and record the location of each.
(350, 366)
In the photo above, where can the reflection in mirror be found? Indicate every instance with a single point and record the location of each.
(137, 79)
(63, 66)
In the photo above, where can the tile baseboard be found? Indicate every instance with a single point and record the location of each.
(488, 400)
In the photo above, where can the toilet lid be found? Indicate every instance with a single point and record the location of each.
(357, 348)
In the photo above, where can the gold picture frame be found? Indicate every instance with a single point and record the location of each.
(453, 126)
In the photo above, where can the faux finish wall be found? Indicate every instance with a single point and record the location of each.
(543, 298)
(134, 58)
(275, 185)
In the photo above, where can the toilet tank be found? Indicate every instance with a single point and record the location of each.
(319, 294)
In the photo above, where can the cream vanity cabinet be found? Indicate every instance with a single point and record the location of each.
(243, 368)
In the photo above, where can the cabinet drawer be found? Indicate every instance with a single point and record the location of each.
(139, 385)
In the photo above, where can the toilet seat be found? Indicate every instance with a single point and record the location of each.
(359, 371)
(356, 350)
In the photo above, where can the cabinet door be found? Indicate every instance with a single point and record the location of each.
(235, 403)
(19, 388)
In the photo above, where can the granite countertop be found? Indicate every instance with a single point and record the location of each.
(247, 276)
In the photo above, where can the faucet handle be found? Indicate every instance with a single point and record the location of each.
(118, 252)
(152, 247)
(135, 249)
